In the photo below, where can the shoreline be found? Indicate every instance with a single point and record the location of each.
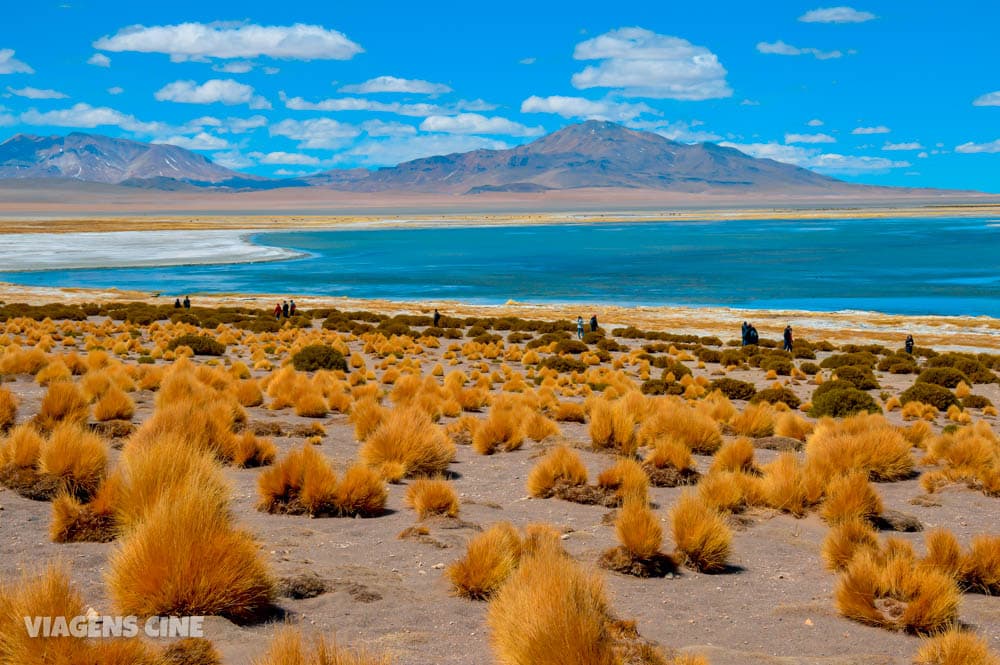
(959, 333)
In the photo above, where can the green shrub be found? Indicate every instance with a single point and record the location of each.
(781, 366)
(487, 338)
(843, 402)
(318, 356)
(861, 377)
(732, 357)
(199, 344)
(947, 377)
(675, 367)
(976, 402)
(548, 338)
(775, 395)
(563, 364)
(928, 393)
(836, 384)
(515, 337)
(733, 388)
(571, 346)
(657, 387)
(968, 364)
(810, 369)
(608, 344)
(859, 358)
(803, 352)
(709, 355)
(593, 337)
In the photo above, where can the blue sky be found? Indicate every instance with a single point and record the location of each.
(896, 93)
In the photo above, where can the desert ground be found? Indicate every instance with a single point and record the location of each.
(501, 394)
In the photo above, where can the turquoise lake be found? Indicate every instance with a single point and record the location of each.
(903, 266)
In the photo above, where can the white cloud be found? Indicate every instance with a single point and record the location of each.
(36, 93)
(225, 91)
(903, 146)
(749, 102)
(116, 90)
(809, 138)
(836, 15)
(685, 132)
(7, 120)
(812, 158)
(316, 133)
(527, 61)
(200, 141)
(382, 128)
(394, 84)
(970, 148)
(87, 116)
(233, 159)
(989, 99)
(474, 123)
(642, 63)
(781, 48)
(420, 110)
(880, 129)
(99, 60)
(285, 158)
(11, 65)
(243, 125)
(236, 67)
(922, 155)
(392, 151)
(200, 41)
(578, 107)
(815, 122)
(288, 172)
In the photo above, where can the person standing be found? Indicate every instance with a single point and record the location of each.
(909, 344)
(284, 308)
(788, 338)
(291, 308)
(593, 323)
(177, 303)
(277, 310)
(579, 327)
(752, 336)
(743, 334)
(437, 318)
(187, 303)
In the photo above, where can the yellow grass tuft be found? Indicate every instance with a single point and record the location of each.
(612, 425)
(670, 451)
(846, 539)
(75, 459)
(302, 482)
(955, 647)
(8, 409)
(114, 405)
(75, 522)
(675, 419)
(489, 560)
(248, 393)
(249, 450)
(46, 593)
(570, 412)
(366, 415)
(408, 441)
(288, 647)
(944, 554)
(790, 425)
(701, 535)
(850, 496)
(638, 529)
(502, 430)
(722, 491)
(980, 568)
(186, 559)
(432, 497)
(361, 492)
(64, 402)
(865, 442)
(627, 478)
(787, 487)
(756, 420)
(736, 455)
(561, 466)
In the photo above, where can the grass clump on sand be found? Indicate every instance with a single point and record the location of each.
(289, 647)
(319, 356)
(702, 537)
(200, 345)
(562, 466)
(641, 538)
(407, 443)
(429, 497)
(955, 647)
(489, 560)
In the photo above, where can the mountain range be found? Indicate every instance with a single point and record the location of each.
(591, 154)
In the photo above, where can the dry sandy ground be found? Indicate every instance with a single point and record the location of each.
(775, 608)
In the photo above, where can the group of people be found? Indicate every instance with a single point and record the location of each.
(186, 304)
(750, 336)
(579, 325)
(284, 309)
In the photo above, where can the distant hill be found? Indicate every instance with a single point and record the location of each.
(588, 154)
(96, 158)
(591, 154)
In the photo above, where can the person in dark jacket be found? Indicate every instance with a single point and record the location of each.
(752, 336)
(187, 303)
(593, 323)
(277, 310)
(437, 318)
(284, 308)
(177, 303)
(909, 344)
(291, 308)
(579, 327)
(788, 338)
(743, 333)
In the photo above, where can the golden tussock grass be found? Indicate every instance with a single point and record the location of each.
(955, 647)
(792, 426)
(865, 442)
(248, 393)
(850, 496)
(301, 482)
(366, 415)
(893, 403)
(76, 522)
(76, 459)
(189, 651)
(490, 558)
(944, 554)
(361, 492)
(561, 466)
(980, 567)
(289, 647)
(717, 406)
(675, 419)
(846, 539)
(20, 361)
(407, 443)
(8, 409)
(160, 470)
(54, 371)
(638, 529)
(186, 559)
(249, 450)
(63, 402)
(788, 487)
(626, 478)
(21, 447)
(918, 433)
(46, 593)
(502, 430)
(550, 612)
(756, 420)
(429, 497)
(722, 491)
(538, 428)
(311, 404)
(570, 412)
(962, 390)
(890, 592)
(702, 538)
(612, 425)
(114, 404)
(737, 455)
(670, 451)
